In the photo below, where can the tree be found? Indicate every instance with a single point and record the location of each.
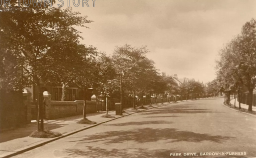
(226, 72)
(247, 48)
(172, 87)
(191, 88)
(139, 71)
(105, 80)
(105, 70)
(237, 64)
(34, 37)
(212, 88)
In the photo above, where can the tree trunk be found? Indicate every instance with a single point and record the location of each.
(63, 97)
(38, 110)
(227, 98)
(234, 100)
(250, 95)
(84, 109)
(107, 105)
(239, 98)
(40, 118)
(41, 111)
(121, 93)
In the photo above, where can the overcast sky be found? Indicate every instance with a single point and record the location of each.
(183, 36)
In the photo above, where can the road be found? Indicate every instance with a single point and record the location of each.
(198, 126)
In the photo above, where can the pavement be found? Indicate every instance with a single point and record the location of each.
(244, 107)
(16, 141)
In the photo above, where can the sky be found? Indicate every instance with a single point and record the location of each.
(184, 37)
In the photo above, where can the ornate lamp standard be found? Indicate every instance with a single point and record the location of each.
(121, 92)
(87, 96)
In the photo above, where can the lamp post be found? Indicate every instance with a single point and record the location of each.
(87, 92)
(40, 117)
(101, 100)
(144, 100)
(151, 98)
(84, 109)
(137, 98)
(107, 95)
(121, 91)
(84, 120)
(42, 103)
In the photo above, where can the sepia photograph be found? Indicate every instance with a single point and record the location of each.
(128, 78)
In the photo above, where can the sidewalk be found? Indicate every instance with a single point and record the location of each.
(13, 142)
(244, 107)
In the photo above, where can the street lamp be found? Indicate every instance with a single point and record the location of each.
(144, 100)
(191, 94)
(45, 94)
(41, 112)
(121, 92)
(137, 98)
(107, 95)
(101, 100)
(152, 98)
(86, 98)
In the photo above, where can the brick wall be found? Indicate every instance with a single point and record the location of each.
(60, 109)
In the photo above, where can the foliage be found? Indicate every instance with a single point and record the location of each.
(172, 87)
(190, 87)
(139, 71)
(236, 67)
(105, 79)
(38, 40)
(212, 88)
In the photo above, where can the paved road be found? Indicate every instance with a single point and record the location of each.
(185, 127)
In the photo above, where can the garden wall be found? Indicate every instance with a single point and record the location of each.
(60, 109)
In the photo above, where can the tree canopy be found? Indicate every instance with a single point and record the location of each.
(237, 65)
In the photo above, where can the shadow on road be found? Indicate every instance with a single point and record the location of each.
(166, 116)
(178, 109)
(96, 152)
(145, 135)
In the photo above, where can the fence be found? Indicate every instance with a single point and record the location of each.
(244, 99)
